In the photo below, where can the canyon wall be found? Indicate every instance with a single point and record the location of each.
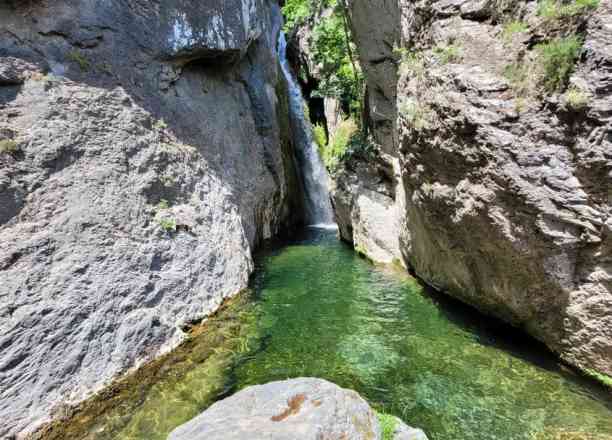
(145, 151)
(491, 185)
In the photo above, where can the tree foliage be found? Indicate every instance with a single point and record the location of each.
(332, 50)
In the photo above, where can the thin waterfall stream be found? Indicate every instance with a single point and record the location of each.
(316, 180)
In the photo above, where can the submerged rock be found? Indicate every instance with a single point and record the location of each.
(296, 409)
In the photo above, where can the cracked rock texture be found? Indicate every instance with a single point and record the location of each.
(296, 409)
(499, 196)
(151, 156)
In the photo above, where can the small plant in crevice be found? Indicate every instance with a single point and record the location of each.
(557, 59)
(167, 224)
(513, 28)
(160, 125)
(78, 58)
(576, 99)
(447, 54)
(8, 146)
(388, 425)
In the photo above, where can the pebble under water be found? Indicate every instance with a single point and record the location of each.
(317, 309)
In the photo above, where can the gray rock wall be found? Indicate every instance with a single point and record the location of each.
(144, 153)
(507, 193)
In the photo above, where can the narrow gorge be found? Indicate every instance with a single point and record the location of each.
(223, 219)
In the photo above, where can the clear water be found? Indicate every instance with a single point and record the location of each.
(317, 309)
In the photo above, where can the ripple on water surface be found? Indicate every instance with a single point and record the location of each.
(317, 309)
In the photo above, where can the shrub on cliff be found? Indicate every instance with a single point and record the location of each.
(558, 59)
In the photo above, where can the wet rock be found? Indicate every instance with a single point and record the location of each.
(296, 409)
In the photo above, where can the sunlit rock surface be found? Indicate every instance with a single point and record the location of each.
(147, 168)
(503, 201)
(296, 409)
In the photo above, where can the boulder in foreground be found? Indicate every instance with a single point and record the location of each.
(296, 409)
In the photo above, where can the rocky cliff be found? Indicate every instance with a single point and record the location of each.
(144, 153)
(493, 179)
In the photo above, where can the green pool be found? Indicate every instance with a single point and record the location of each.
(317, 309)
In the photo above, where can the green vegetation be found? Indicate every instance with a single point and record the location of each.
(167, 224)
(558, 58)
(338, 145)
(160, 125)
(556, 9)
(513, 28)
(320, 136)
(388, 424)
(601, 378)
(8, 146)
(297, 12)
(163, 204)
(576, 99)
(77, 57)
(417, 114)
(332, 49)
(450, 53)
(549, 71)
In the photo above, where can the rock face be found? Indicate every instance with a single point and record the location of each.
(498, 193)
(144, 153)
(297, 409)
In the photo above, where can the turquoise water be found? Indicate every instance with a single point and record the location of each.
(317, 309)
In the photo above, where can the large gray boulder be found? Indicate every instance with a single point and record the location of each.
(144, 154)
(498, 194)
(296, 409)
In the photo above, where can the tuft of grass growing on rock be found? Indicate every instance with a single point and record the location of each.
(160, 125)
(388, 424)
(576, 99)
(338, 145)
(167, 224)
(558, 58)
(8, 146)
(556, 9)
(451, 53)
(512, 28)
(76, 57)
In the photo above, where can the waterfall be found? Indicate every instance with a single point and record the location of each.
(316, 180)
